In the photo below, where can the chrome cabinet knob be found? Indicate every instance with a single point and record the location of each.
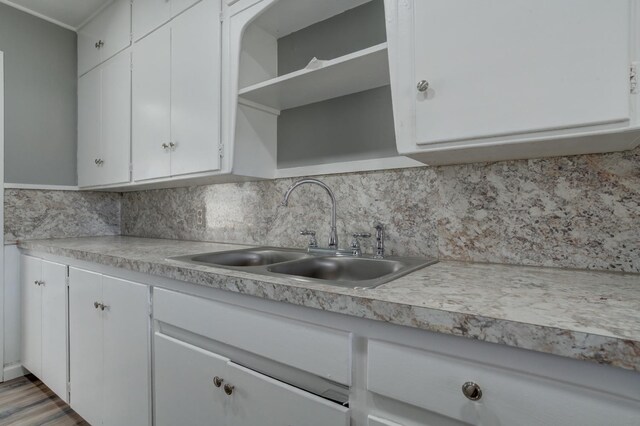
(40, 282)
(228, 389)
(99, 44)
(165, 146)
(472, 391)
(36, 282)
(103, 307)
(217, 381)
(99, 161)
(172, 145)
(423, 86)
(96, 305)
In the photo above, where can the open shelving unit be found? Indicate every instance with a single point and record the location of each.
(358, 71)
(312, 89)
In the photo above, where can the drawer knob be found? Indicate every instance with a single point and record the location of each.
(472, 391)
(217, 381)
(422, 86)
(228, 389)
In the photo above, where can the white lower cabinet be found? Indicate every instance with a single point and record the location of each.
(44, 322)
(434, 383)
(196, 387)
(109, 349)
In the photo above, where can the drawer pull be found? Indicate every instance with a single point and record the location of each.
(217, 381)
(228, 389)
(472, 391)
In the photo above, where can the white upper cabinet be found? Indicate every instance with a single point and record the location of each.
(495, 72)
(105, 35)
(151, 129)
(176, 96)
(150, 14)
(104, 117)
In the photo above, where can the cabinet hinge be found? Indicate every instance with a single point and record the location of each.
(66, 280)
(68, 388)
(221, 16)
(221, 150)
(633, 78)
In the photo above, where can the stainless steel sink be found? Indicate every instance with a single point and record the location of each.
(353, 272)
(343, 271)
(240, 259)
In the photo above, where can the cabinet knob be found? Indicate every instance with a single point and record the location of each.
(164, 145)
(172, 145)
(99, 161)
(217, 381)
(36, 282)
(103, 307)
(40, 282)
(228, 389)
(423, 86)
(472, 391)
(99, 44)
(96, 305)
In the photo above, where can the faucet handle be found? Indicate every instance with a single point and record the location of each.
(355, 243)
(313, 243)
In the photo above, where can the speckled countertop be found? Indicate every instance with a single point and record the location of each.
(580, 314)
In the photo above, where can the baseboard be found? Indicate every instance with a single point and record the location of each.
(13, 371)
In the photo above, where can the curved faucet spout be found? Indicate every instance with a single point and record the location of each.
(333, 236)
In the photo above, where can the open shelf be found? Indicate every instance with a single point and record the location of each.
(397, 162)
(356, 72)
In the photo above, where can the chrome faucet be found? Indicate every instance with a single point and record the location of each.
(333, 235)
(379, 241)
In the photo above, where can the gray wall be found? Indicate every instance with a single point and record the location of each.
(40, 99)
(339, 129)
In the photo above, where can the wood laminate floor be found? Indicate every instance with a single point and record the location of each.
(26, 401)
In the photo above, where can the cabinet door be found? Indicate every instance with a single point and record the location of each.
(126, 353)
(195, 89)
(54, 327)
(114, 24)
(255, 394)
(116, 119)
(184, 388)
(151, 106)
(31, 274)
(178, 6)
(88, 49)
(85, 344)
(504, 67)
(149, 15)
(89, 128)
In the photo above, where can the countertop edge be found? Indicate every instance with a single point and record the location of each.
(606, 350)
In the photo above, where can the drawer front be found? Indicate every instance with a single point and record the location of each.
(319, 350)
(255, 395)
(434, 382)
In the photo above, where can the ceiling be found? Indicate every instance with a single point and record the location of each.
(67, 13)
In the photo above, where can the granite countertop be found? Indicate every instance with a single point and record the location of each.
(580, 314)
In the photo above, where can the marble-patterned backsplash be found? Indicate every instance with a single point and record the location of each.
(37, 214)
(577, 212)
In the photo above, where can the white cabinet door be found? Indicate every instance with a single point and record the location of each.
(149, 15)
(104, 36)
(151, 106)
(116, 120)
(85, 344)
(115, 24)
(126, 389)
(254, 395)
(88, 48)
(31, 275)
(89, 127)
(504, 67)
(178, 6)
(195, 89)
(184, 384)
(54, 327)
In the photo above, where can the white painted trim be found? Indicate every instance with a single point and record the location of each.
(372, 164)
(41, 187)
(14, 371)
(38, 15)
(2, 283)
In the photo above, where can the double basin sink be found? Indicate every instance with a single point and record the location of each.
(329, 268)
